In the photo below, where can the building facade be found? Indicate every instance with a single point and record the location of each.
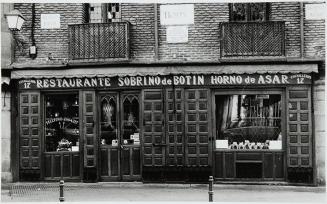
(169, 92)
(6, 60)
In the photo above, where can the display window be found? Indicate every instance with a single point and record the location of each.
(251, 121)
(61, 122)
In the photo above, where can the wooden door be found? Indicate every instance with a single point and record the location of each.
(108, 136)
(300, 162)
(30, 134)
(154, 145)
(119, 150)
(175, 127)
(197, 128)
(130, 126)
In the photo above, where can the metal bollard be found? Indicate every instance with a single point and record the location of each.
(61, 191)
(210, 189)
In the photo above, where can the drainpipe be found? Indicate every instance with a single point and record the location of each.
(32, 50)
(156, 41)
(301, 31)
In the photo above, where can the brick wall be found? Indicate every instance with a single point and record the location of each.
(203, 37)
(53, 42)
(203, 40)
(290, 13)
(141, 17)
(314, 38)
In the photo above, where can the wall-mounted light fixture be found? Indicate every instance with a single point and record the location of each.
(15, 20)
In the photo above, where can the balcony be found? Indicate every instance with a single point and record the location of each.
(99, 41)
(252, 39)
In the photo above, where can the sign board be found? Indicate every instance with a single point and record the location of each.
(177, 14)
(177, 34)
(50, 21)
(315, 11)
(216, 80)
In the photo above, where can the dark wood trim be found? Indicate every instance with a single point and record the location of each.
(81, 130)
(42, 131)
(284, 127)
(15, 124)
(314, 159)
(211, 140)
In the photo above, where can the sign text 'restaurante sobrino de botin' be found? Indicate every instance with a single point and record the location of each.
(169, 80)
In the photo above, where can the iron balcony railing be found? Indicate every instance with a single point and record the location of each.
(252, 39)
(95, 41)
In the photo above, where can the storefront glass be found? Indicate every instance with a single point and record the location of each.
(249, 121)
(61, 122)
(130, 119)
(109, 129)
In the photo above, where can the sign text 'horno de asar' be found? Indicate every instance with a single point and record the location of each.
(169, 80)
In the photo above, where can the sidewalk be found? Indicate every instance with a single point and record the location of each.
(138, 192)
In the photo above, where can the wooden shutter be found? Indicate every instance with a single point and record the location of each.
(30, 136)
(197, 127)
(175, 127)
(153, 129)
(299, 130)
(89, 128)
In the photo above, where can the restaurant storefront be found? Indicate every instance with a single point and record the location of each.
(175, 124)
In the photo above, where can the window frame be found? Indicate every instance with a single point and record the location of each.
(268, 91)
(44, 112)
(267, 11)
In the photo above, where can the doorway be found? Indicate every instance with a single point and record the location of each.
(119, 136)
(177, 138)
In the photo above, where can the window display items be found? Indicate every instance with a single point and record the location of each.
(64, 145)
(108, 111)
(114, 143)
(249, 121)
(222, 144)
(62, 122)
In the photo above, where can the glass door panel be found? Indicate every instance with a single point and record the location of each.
(119, 136)
(108, 121)
(109, 140)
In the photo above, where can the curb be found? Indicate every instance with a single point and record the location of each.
(216, 186)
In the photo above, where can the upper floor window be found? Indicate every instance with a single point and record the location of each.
(103, 13)
(249, 11)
